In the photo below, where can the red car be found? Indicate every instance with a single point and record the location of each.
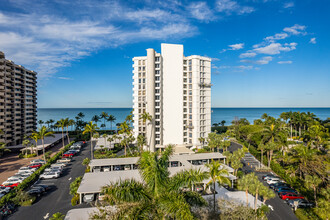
(35, 165)
(68, 154)
(290, 195)
(11, 185)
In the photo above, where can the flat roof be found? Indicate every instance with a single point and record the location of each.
(175, 157)
(47, 141)
(93, 182)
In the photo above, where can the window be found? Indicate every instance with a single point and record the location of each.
(144, 68)
(157, 84)
(157, 116)
(144, 80)
(190, 135)
(139, 80)
(157, 66)
(157, 90)
(157, 59)
(190, 86)
(157, 78)
(157, 123)
(190, 92)
(157, 72)
(157, 142)
(157, 97)
(157, 110)
(157, 135)
(157, 129)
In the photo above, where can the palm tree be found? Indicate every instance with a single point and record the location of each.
(266, 194)
(245, 184)
(223, 122)
(104, 115)
(61, 124)
(111, 119)
(41, 122)
(35, 136)
(81, 115)
(105, 140)
(217, 174)
(69, 122)
(3, 148)
(43, 132)
(125, 129)
(158, 196)
(57, 216)
(25, 143)
(96, 119)
(261, 147)
(147, 117)
(313, 182)
(256, 187)
(141, 141)
(201, 140)
(302, 155)
(51, 122)
(91, 129)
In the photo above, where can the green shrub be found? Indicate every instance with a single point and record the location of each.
(75, 200)
(23, 155)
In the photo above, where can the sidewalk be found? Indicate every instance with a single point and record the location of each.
(10, 163)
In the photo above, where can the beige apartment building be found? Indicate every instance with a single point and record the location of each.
(18, 101)
(176, 91)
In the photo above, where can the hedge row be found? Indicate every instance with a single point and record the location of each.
(34, 177)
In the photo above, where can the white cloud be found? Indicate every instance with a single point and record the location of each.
(312, 40)
(215, 59)
(201, 11)
(295, 29)
(236, 46)
(275, 48)
(247, 55)
(279, 36)
(288, 5)
(64, 78)
(264, 60)
(229, 7)
(285, 62)
(243, 67)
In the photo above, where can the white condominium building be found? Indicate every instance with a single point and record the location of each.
(176, 91)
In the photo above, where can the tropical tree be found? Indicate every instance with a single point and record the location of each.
(81, 115)
(96, 119)
(25, 143)
(302, 155)
(111, 119)
(69, 122)
(43, 132)
(218, 174)
(41, 122)
(147, 118)
(3, 148)
(261, 147)
(62, 124)
(223, 122)
(245, 184)
(125, 129)
(141, 141)
(201, 140)
(158, 196)
(313, 182)
(104, 115)
(35, 136)
(105, 139)
(90, 128)
(266, 193)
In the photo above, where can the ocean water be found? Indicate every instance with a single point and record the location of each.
(218, 114)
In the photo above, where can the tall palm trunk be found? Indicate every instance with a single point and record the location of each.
(255, 201)
(63, 137)
(291, 130)
(37, 148)
(214, 196)
(262, 156)
(67, 133)
(268, 158)
(315, 195)
(247, 197)
(43, 149)
(91, 146)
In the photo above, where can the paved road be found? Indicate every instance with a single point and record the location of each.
(281, 211)
(59, 199)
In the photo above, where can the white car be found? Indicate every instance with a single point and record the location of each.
(37, 161)
(12, 181)
(49, 175)
(17, 177)
(25, 174)
(4, 190)
(106, 169)
(273, 180)
(53, 169)
(61, 165)
(22, 169)
(64, 160)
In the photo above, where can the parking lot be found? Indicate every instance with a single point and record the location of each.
(280, 210)
(58, 198)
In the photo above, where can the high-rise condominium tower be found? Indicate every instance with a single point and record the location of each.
(176, 91)
(18, 101)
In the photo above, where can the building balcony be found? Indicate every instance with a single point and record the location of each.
(205, 85)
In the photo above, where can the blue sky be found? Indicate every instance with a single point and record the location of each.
(266, 53)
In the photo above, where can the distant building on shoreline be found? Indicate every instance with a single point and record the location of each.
(18, 101)
(176, 91)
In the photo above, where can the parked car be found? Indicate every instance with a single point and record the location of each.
(4, 190)
(46, 187)
(278, 184)
(49, 175)
(10, 185)
(127, 167)
(23, 169)
(265, 177)
(37, 161)
(106, 168)
(290, 195)
(68, 154)
(273, 180)
(35, 165)
(116, 168)
(11, 181)
(302, 203)
(89, 197)
(75, 148)
(17, 176)
(59, 164)
(7, 209)
(75, 152)
(64, 160)
(286, 189)
(25, 173)
(36, 191)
